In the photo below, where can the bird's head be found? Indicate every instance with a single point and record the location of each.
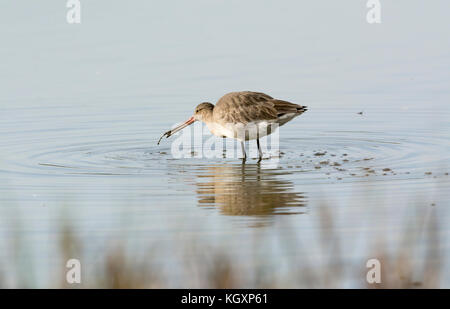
(203, 111)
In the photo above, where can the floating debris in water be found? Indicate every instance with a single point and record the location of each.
(386, 169)
(360, 113)
(428, 173)
(320, 153)
(324, 162)
(335, 164)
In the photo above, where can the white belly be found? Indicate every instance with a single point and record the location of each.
(243, 132)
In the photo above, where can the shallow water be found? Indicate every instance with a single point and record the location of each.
(81, 114)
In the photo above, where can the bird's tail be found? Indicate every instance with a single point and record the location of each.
(301, 109)
(284, 107)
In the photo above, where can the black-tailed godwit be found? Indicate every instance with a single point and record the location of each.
(243, 115)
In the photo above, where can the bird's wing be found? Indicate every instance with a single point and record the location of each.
(284, 107)
(244, 107)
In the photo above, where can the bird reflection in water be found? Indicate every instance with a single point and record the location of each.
(248, 190)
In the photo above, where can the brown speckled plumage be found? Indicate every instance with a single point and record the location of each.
(248, 106)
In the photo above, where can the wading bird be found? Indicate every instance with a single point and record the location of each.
(244, 116)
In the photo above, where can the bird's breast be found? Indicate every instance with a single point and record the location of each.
(241, 131)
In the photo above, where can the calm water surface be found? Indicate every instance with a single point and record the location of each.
(82, 107)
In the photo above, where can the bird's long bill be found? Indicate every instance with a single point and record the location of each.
(176, 129)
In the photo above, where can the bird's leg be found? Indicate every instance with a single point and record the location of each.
(243, 151)
(259, 150)
(224, 149)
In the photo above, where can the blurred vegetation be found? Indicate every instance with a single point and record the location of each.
(416, 263)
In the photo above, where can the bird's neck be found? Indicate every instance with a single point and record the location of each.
(207, 117)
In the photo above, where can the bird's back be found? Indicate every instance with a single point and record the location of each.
(249, 106)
